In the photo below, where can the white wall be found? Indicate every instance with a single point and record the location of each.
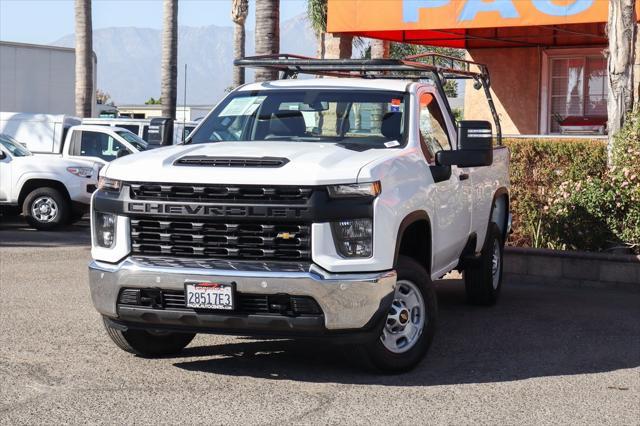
(37, 79)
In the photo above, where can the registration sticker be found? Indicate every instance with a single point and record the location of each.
(394, 105)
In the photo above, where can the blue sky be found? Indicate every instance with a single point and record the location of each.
(44, 21)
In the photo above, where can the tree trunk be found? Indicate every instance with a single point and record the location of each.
(238, 52)
(267, 34)
(380, 49)
(636, 72)
(239, 12)
(321, 50)
(169, 81)
(84, 59)
(338, 46)
(622, 36)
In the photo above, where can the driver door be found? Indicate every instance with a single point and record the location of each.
(452, 194)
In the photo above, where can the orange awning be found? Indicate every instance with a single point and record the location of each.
(474, 23)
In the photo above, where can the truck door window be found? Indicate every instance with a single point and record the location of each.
(433, 129)
(101, 145)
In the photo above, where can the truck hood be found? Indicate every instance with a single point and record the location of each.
(308, 164)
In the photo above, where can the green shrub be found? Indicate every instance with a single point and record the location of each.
(564, 197)
(538, 167)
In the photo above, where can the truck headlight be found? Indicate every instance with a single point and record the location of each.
(107, 184)
(105, 229)
(353, 238)
(372, 189)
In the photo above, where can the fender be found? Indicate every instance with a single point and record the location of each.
(410, 219)
(29, 175)
(499, 193)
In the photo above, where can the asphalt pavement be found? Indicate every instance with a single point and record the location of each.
(543, 355)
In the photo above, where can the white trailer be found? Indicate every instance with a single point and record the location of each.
(38, 79)
(41, 133)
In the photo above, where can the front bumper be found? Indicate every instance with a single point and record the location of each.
(348, 301)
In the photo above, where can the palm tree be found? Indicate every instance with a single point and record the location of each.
(84, 58)
(239, 12)
(169, 80)
(317, 15)
(267, 34)
(335, 46)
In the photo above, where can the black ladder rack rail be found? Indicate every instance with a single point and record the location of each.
(428, 66)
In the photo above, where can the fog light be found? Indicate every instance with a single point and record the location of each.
(353, 238)
(105, 229)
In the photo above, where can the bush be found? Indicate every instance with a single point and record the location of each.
(538, 167)
(564, 197)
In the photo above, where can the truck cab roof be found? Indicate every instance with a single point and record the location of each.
(334, 83)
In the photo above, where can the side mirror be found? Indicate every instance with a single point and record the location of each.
(2, 155)
(122, 152)
(475, 146)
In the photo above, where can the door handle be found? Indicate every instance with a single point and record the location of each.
(463, 176)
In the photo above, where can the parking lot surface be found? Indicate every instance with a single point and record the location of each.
(542, 355)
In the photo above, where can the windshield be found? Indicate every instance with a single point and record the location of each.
(135, 140)
(14, 147)
(371, 118)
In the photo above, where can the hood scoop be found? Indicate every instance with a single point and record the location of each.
(239, 162)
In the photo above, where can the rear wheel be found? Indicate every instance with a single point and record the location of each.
(46, 208)
(147, 343)
(410, 324)
(483, 281)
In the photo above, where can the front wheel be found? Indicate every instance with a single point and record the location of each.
(147, 343)
(410, 324)
(46, 208)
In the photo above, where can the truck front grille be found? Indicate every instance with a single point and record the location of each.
(220, 193)
(219, 240)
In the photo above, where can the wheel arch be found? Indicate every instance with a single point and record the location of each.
(414, 239)
(31, 184)
(500, 211)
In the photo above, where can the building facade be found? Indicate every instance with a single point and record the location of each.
(546, 58)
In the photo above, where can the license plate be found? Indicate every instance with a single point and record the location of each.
(209, 295)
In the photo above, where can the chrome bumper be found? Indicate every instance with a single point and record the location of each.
(348, 301)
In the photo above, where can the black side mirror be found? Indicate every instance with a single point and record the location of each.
(122, 152)
(475, 146)
(2, 155)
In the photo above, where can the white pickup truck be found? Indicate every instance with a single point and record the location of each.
(51, 191)
(64, 135)
(319, 208)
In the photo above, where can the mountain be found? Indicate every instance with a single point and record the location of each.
(129, 59)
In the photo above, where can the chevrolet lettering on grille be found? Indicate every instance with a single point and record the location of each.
(199, 210)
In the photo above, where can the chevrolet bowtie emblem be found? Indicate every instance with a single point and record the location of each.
(285, 236)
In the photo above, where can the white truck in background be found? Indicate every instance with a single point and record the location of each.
(67, 136)
(50, 190)
(140, 126)
(316, 208)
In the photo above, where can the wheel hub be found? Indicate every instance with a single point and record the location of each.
(406, 318)
(44, 209)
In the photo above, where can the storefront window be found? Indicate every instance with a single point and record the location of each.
(578, 89)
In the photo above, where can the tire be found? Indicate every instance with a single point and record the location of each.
(483, 281)
(394, 351)
(46, 209)
(147, 344)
